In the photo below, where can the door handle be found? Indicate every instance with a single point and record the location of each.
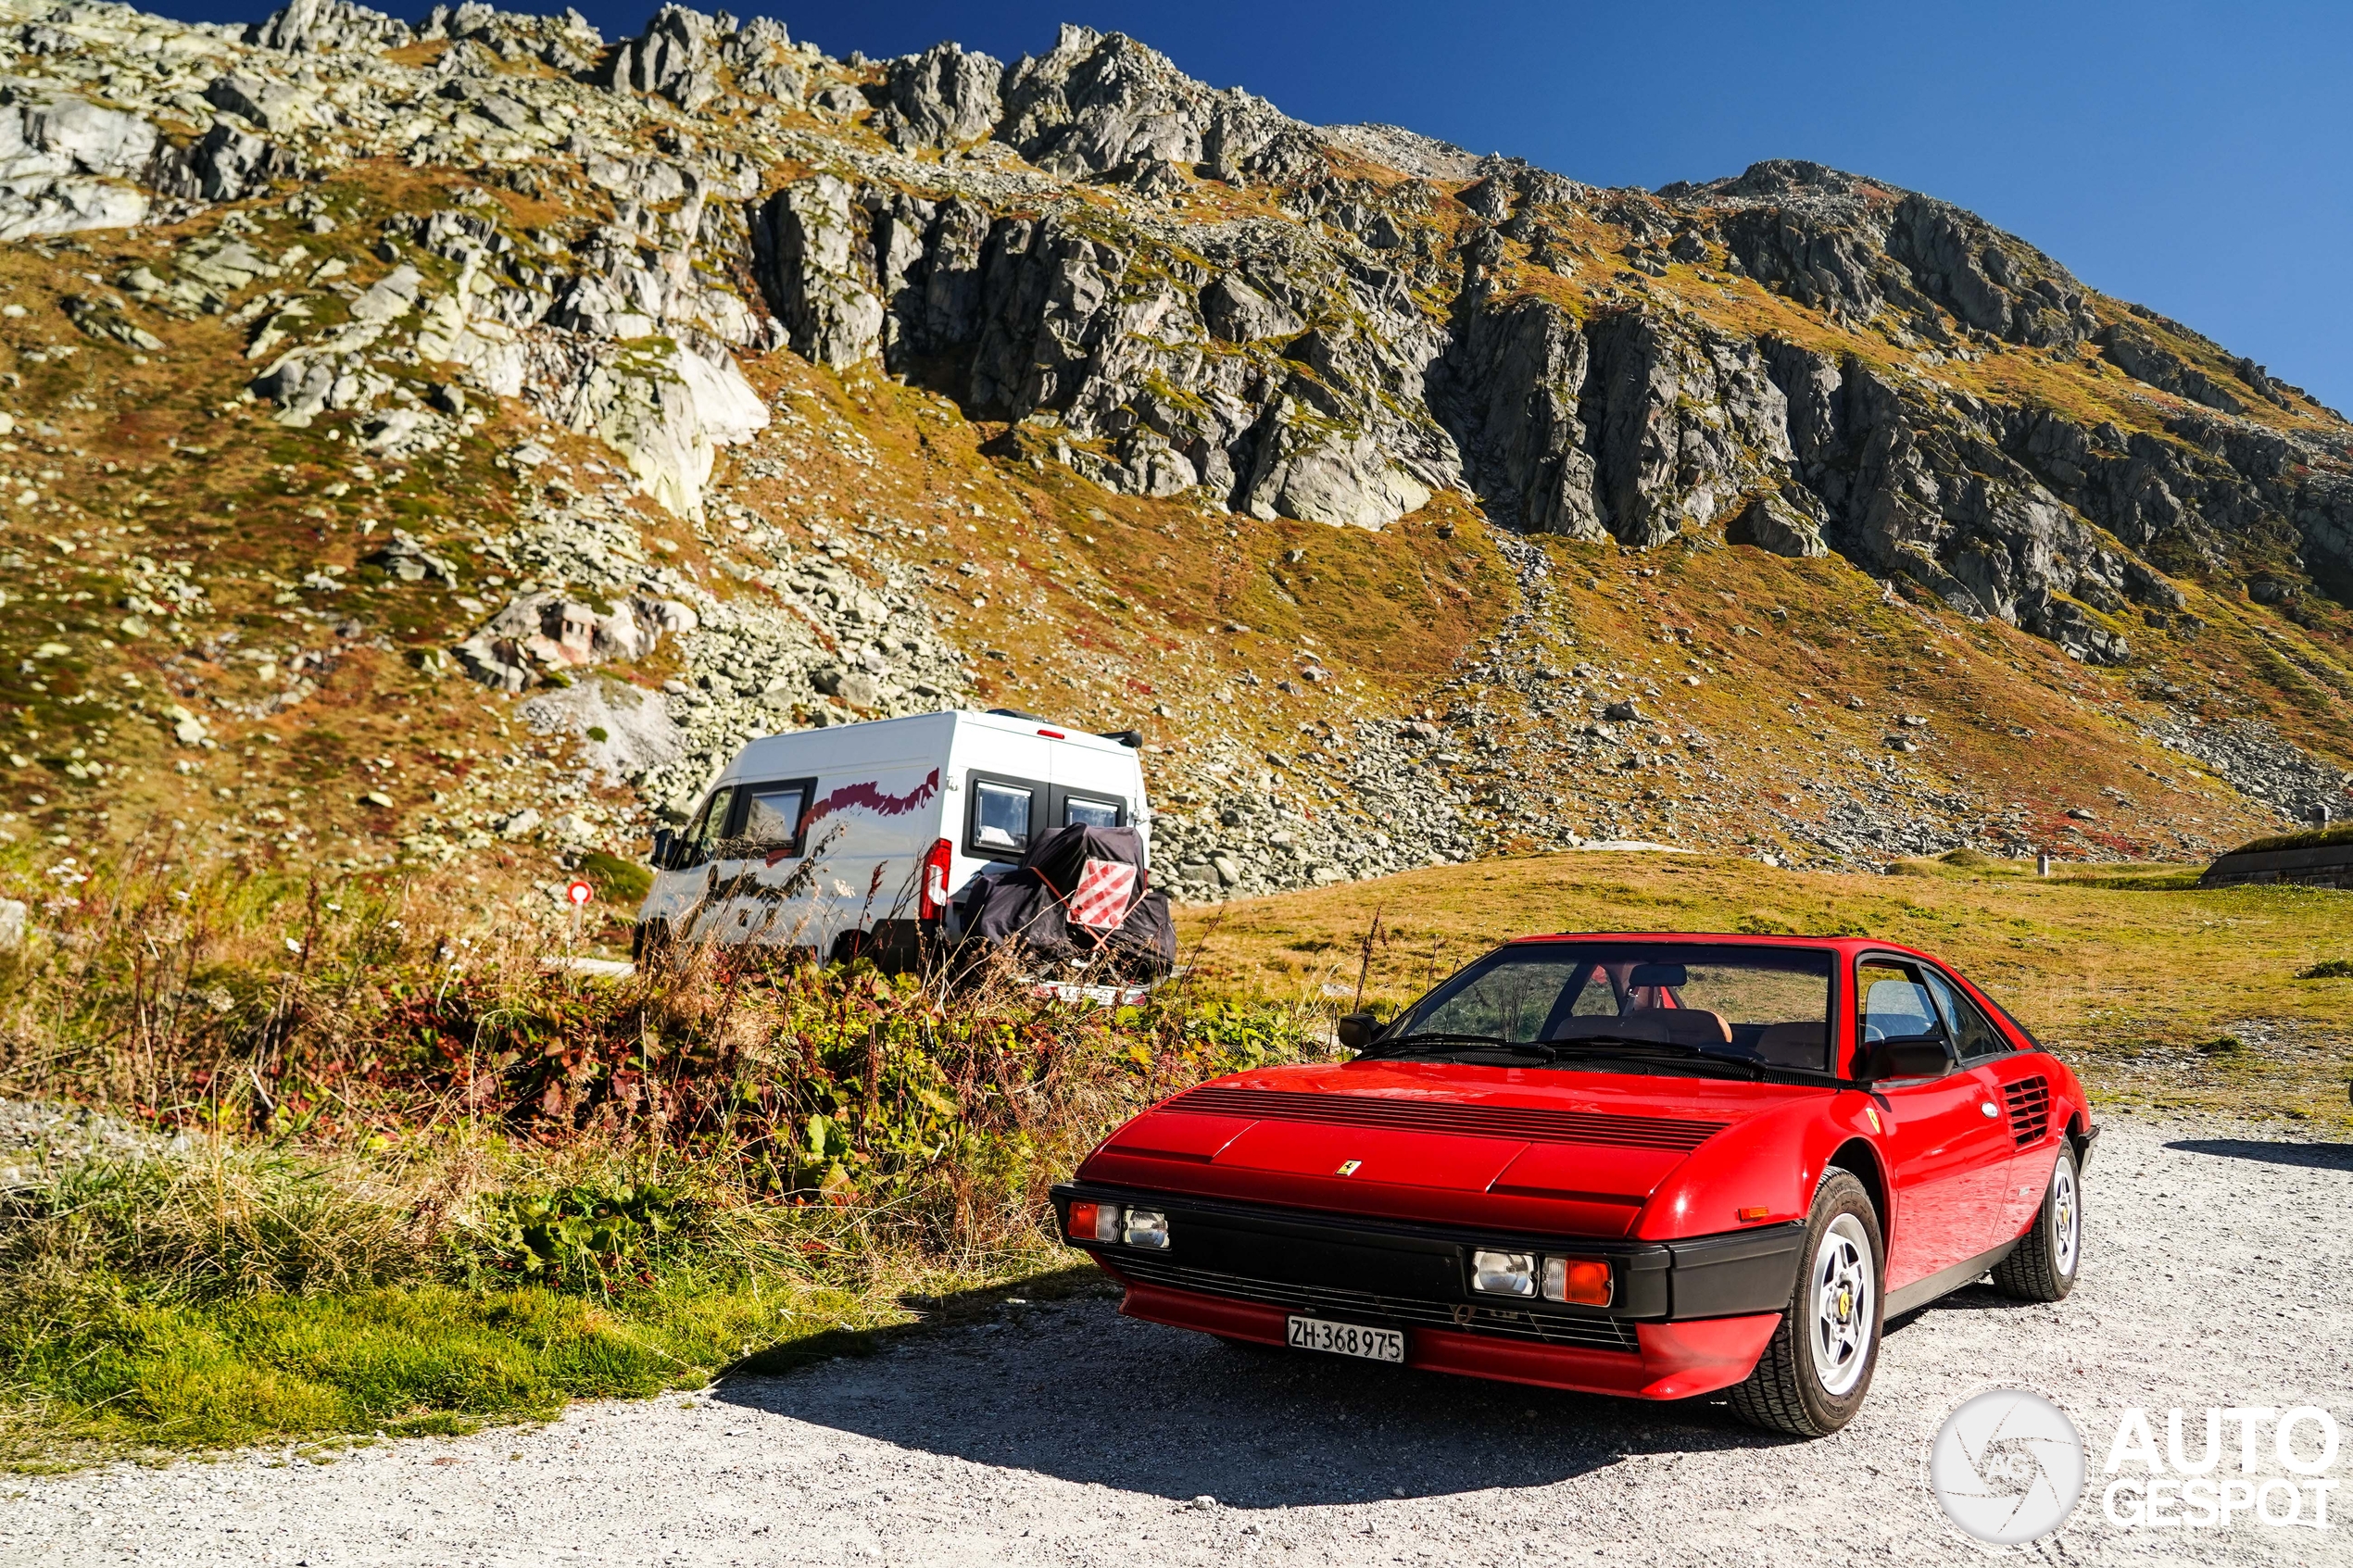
(1989, 1108)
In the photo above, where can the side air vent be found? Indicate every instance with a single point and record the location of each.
(2029, 1108)
(1471, 1121)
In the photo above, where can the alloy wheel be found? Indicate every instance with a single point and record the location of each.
(1840, 1299)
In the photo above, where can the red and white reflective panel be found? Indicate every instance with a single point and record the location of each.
(1105, 889)
(579, 892)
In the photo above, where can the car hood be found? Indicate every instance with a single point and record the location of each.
(1518, 1148)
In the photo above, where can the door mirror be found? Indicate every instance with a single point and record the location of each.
(1920, 1056)
(1356, 1029)
(660, 859)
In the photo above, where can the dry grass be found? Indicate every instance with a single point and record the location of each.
(396, 1174)
(2132, 972)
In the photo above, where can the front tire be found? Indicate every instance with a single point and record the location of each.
(1814, 1374)
(2044, 1265)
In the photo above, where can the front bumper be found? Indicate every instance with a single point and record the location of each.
(1685, 1317)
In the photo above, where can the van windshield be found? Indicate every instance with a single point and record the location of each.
(702, 833)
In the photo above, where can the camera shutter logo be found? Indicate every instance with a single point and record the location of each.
(2007, 1467)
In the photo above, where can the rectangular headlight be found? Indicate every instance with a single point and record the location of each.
(1504, 1273)
(1147, 1227)
(1582, 1280)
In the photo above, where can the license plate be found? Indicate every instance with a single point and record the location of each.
(1347, 1339)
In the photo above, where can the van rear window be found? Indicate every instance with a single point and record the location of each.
(1000, 817)
(1092, 813)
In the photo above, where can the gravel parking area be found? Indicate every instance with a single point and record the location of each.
(2219, 1272)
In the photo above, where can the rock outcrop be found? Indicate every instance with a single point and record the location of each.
(1166, 289)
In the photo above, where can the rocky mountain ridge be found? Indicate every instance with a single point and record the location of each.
(690, 350)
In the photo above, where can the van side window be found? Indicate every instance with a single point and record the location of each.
(702, 835)
(1092, 813)
(772, 817)
(1000, 818)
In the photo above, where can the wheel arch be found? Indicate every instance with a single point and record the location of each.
(1859, 1159)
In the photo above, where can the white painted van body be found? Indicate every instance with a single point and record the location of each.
(818, 839)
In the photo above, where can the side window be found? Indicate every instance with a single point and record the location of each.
(772, 817)
(1976, 1038)
(1092, 813)
(1896, 1005)
(1000, 818)
(702, 835)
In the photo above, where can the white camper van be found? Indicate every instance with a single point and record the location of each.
(856, 837)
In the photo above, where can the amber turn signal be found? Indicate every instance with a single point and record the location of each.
(1756, 1214)
(1582, 1280)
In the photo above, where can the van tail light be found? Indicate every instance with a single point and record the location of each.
(933, 901)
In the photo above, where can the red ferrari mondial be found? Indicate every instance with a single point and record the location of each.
(1659, 1165)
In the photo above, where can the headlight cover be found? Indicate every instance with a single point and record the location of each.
(1504, 1273)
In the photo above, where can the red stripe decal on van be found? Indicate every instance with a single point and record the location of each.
(869, 796)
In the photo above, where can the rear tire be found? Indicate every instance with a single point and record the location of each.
(1814, 1371)
(2049, 1256)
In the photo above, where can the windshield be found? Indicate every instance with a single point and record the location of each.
(1593, 1004)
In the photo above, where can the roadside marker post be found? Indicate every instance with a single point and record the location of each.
(577, 893)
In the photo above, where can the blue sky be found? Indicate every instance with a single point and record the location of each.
(2192, 157)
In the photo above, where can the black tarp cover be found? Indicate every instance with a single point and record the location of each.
(1035, 903)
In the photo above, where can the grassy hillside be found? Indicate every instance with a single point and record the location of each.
(2162, 994)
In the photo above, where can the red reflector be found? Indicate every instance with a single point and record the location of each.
(1582, 1280)
(1082, 1221)
(1756, 1214)
(1053, 734)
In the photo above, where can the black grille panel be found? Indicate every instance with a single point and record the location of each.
(1364, 1306)
(2030, 1101)
(1464, 1120)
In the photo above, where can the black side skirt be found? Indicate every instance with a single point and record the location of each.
(1920, 1292)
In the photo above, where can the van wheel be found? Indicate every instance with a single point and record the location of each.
(1812, 1377)
(650, 942)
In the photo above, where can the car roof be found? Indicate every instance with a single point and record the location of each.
(1849, 945)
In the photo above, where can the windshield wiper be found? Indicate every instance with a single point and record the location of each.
(1632, 1046)
(1484, 1041)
